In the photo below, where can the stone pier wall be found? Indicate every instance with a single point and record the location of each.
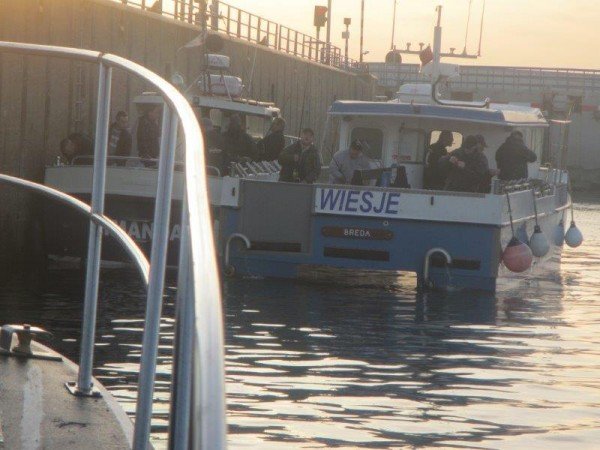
(42, 100)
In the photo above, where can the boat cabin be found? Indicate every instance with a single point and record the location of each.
(400, 133)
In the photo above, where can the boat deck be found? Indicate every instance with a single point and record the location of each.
(37, 411)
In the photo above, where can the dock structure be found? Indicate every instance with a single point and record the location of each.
(554, 90)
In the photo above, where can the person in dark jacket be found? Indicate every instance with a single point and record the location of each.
(512, 158)
(434, 177)
(77, 145)
(119, 137)
(271, 146)
(300, 162)
(237, 143)
(467, 167)
(148, 133)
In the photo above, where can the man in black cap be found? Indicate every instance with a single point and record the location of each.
(512, 157)
(467, 167)
(346, 162)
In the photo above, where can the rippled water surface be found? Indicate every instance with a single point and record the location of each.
(316, 366)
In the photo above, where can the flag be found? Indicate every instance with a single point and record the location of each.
(426, 56)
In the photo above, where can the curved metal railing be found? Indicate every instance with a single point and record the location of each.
(198, 396)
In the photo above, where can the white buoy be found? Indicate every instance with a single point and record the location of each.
(558, 237)
(574, 237)
(538, 243)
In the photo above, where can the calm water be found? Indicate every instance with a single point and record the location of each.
(363, 367)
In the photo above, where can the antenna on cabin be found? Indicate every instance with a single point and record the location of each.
(481, 29)
(422, 47)
(468, 24)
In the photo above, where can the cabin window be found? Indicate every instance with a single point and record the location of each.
(257, 126)
(537, 142)
(331, 139)
(458, 139)
(372, 139)
(216, 117)
(409, 147)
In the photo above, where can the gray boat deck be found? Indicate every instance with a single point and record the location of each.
(37, 411)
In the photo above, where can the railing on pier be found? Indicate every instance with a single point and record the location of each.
(198, 397)
(497, 78)
(244, 25)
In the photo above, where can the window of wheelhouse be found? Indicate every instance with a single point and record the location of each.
(408, 147)
(372, 140)
(435, 136)
(257, 126)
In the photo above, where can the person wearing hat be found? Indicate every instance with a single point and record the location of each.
(301, 161)
(433, 177)
(271, 146)
(512, 157)
(345, 162)
(467, 166)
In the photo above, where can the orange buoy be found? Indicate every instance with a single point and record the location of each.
(517, 256)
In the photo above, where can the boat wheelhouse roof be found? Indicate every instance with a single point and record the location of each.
(495, 114)
(244, 106)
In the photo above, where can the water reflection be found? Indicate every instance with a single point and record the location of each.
(315, 366)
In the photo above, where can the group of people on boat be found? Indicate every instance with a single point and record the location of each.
(466, 169)
(235, 144)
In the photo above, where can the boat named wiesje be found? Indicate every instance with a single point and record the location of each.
(448, 238)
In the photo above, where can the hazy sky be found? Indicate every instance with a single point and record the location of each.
(552, 33)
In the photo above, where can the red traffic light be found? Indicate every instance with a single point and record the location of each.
(320, 16)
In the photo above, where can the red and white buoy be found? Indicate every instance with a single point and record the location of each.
(517, 256)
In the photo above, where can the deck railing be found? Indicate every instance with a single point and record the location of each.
(497, 78)
(198, 397)
(250, 27)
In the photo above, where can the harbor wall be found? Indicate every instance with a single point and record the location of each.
(42, 100)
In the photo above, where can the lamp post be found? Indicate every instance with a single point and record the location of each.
(346, 36)
(214, 15)
(393, 25)
(328, 31)
(362, 28)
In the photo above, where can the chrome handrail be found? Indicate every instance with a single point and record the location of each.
(198, 378)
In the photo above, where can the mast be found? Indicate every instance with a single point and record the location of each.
(393, 25)
(437, 47)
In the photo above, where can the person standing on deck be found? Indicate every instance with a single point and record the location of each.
(77, 145)
(345, 162)
(467, 167)
(119, 137)
(148, 133)
(434, 177)
(300, 162)
(512, 158)
(271, 146)
(238, 145)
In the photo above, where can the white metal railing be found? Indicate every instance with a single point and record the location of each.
(488, 78)
(198, 397)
